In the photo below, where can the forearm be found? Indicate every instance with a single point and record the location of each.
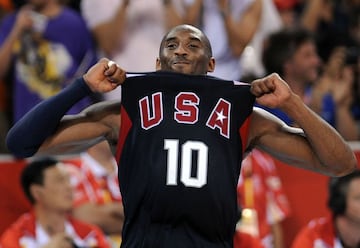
(108, 217)
(193, 13)
(311, 16)
(278, 238)
(237, 42)
(110, 34)
(6, 52)
(240, 32)
(28, 134)
(329, 148)
(346, 124)
(172, 17)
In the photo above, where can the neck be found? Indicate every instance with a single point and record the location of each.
(52, 221)
(348, 231)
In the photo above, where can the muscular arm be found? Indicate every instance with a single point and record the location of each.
(316, 146)
(240, 32)
(77, 133)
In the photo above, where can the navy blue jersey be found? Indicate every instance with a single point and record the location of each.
(180, 150)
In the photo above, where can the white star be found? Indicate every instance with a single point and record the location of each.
(220, 117)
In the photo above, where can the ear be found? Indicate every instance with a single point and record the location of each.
(211, 65)
(36, 192)
(158, 64)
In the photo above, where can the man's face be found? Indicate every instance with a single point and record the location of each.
(305, 63)
(56, 193)
(185, 51)
(352, 211)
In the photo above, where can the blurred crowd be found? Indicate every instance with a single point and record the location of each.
(313, 44)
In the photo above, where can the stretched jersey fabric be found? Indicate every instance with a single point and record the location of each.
(181, 145)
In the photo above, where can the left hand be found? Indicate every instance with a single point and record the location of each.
(271, 91)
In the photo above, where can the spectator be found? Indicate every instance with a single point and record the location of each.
(332, 95)
(47, 186)
(260, 193)
(229, 25)
(342, 228)
(48, 45)
(292, 54)
(97, 197)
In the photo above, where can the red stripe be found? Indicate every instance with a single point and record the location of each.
(124, 130)
(244, 132)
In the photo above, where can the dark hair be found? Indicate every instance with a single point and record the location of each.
(33, 173)
(338, 190)
(281, 45)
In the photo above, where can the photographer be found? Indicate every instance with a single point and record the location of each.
(46, 184)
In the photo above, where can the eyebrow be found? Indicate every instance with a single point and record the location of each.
(175, 38)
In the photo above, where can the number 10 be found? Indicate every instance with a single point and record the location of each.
(172, 146)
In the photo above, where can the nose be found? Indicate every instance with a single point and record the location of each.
(181, 50)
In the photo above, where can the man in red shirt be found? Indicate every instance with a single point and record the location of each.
(46, 184)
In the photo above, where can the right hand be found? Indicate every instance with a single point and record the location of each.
(24, 20)
(101, 78)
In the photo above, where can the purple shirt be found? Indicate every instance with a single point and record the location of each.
(45, 63)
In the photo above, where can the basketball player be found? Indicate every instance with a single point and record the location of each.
(180, 137)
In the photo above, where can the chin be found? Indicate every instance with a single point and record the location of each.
(181, 69)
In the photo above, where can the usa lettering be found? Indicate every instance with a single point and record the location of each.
(186, 111)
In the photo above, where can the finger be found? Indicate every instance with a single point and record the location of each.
(118, 77)
(111, 68)
(111, 63)
(262, 86)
